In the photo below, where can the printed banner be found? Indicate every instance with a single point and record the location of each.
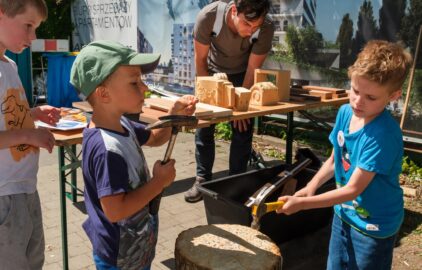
(105, 19)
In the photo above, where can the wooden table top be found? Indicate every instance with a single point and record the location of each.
(151, 115)
(66, 138)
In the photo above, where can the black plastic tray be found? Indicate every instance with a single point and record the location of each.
(224, 200)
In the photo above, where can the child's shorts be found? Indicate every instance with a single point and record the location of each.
(21, 232)
(100, 264)
(351, 249)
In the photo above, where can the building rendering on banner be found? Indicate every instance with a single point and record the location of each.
(144, 45)
(182, 54)
(299, 13)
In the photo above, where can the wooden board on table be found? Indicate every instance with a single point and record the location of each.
(83, 105)
(164, 104)
(323, 94)
(203, 111)
(216, 111)
(322, 88)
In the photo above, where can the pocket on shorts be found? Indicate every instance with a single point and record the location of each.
(6, 207)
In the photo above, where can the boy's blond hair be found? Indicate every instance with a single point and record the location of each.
(382, 62)
(14, 7)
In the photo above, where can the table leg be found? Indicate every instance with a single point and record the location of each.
(73, 175)
(62, 181)
(289, 139)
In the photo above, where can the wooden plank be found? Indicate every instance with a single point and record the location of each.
(324, 95)
(83, 105)
(340, 95)
(216, 111)
(164, 104)
(322, 88)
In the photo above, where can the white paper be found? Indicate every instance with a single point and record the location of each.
(62, 125)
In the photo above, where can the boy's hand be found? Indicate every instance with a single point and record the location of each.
(291, 205)
(164, 173)
(47, 114)
(41, 137)
(185, 105)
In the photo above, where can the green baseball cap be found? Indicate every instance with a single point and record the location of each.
(97, 60)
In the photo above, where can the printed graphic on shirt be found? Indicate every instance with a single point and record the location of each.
(16, 113)
(345, 159)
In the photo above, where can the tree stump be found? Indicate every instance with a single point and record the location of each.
(225, 246)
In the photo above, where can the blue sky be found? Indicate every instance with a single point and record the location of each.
(329, 14)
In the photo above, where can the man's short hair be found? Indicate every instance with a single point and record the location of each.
(252, 9)
(14, 7)
(384, 63)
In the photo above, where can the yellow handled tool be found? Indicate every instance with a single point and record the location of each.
(259, 210)
(267, 207)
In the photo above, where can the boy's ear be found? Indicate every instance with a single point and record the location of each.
(102, 94)
(395, 95)
(234, 10)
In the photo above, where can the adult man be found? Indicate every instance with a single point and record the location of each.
(233, 38)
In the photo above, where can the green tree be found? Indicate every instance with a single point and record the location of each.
(367, 28)
(59, 23)
(390, 16)
(303, 43)
(410, 27)
(344, 39)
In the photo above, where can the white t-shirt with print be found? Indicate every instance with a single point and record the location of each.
(18, 164)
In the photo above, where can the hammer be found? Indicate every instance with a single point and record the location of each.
(257, 200)
(175, 122)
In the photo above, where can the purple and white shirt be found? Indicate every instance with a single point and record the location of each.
(114, 163)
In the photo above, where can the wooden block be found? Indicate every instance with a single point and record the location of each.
(324, 95)
(243, 96)
(322, 88)
(215, 91)
(340, 95)
(206, 89)
(229, 94)
(264, 94)
(282, 81)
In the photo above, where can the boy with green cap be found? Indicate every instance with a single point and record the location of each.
(118, 185)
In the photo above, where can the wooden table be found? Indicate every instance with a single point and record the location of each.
(151, 115)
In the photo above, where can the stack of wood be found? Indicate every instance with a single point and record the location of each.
(316, 93)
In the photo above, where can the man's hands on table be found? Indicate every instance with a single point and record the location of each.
(241, 125)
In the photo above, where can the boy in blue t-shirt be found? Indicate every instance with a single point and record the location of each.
(366, 162)
(118, 185)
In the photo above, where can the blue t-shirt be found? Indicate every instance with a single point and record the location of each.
(114, 163)
(376, 147)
